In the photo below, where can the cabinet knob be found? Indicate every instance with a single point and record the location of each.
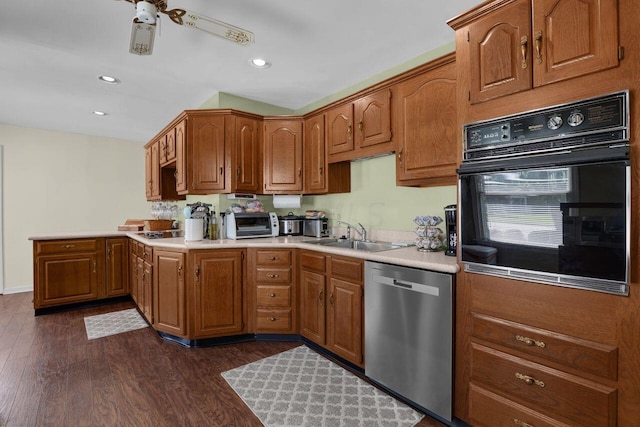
(273, 258)
(68, 246)
(273, 276)
(273, 319)
(272, 295)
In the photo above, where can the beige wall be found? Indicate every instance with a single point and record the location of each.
(58, 182)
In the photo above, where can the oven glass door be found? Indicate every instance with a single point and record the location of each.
(568, 223)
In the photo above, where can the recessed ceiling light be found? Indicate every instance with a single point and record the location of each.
(109, 79)
(260, 63)
(100, 113)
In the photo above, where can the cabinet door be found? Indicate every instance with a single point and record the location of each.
(426, 131)
(573, 38)
(133, 271)
(181, 157)
(67, 278)
(205, 154)
(146, 291)
(168, 147)
(312, 311)
(117, 267)
(373, 120)
(315, 160)
(168, 291)
(283, 156)
(340, 129)
(500, 45)
(152, 172)
(344, 320)
(139, 283)
(218, 293)
(247, 155)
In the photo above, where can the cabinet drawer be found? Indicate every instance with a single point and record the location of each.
(274, 296)
(487, 409)
(347, 268)
(313, 261)
(274, 320)
(561, 395)
(64, 246)
(273, 257)
(583, 355)
(273, 275)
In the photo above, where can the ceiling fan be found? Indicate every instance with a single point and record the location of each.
(148, 13)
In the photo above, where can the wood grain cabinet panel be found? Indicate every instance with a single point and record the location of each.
(345, 319)
(117, 263)
(67, 278)
(217, 293)
(205, 154)
(340, 129)
(312, 306)
(372, 117)
(426, 128)
(283, 159)
(169, 293)
(272, 284)
(566, 397)
(524, 44)
(247, 165)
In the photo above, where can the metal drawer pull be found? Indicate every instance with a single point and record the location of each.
(272, 295)
(273, 276)
(520, 423)
(68, 246)
(273, 319)
(530, 341)
(529, 380)
(273, 258)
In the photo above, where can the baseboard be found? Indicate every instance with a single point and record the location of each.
(17, 290)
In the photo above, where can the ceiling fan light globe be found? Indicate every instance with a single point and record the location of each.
(146, 12)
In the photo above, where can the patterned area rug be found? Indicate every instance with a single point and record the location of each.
(301, 388)
(117, 322)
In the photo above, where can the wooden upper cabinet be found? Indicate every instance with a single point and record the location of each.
(181, 156)
(205, 154)
(283, 156)
(315, 160)
(372, 115)
(426, 127)
(152, 171)
(246, 170)
(340, 129)
(167, 147)
(361, 128)
(525, 43)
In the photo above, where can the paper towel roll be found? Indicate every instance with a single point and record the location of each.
(286, 200)
(193, 229)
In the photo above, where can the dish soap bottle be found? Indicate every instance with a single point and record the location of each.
(213, 225)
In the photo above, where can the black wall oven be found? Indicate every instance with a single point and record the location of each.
(545, 195)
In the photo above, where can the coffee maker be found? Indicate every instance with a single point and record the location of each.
(452, 234)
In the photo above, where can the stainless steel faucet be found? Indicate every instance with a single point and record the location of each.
(362, 232)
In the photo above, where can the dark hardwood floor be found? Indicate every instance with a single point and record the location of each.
(51, 375)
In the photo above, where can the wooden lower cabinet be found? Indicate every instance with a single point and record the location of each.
(331, 310)
(68, 271)
(168, 290)
(215, 292)
(271, 286)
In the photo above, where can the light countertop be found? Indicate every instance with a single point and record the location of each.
(409, 256)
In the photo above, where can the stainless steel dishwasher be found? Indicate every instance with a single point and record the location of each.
(409, 334)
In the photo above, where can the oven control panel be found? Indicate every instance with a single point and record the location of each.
(596, 121)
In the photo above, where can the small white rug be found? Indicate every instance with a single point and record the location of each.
(301, 388)
(113, 323)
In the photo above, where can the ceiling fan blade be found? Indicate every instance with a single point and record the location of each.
(142, 36)
(218, 28)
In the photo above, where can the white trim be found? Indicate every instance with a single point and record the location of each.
(18, 290)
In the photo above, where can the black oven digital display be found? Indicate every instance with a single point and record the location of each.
(566, 224)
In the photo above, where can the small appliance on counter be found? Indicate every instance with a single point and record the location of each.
(290, 224)
(452, 233)
(316, 224)
(249, 225)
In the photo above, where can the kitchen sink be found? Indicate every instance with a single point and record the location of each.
(358, 245)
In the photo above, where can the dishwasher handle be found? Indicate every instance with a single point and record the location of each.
(405, 284)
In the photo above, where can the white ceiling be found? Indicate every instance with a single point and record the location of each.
(51, 53)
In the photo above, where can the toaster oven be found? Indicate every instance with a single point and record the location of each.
(251, 225)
